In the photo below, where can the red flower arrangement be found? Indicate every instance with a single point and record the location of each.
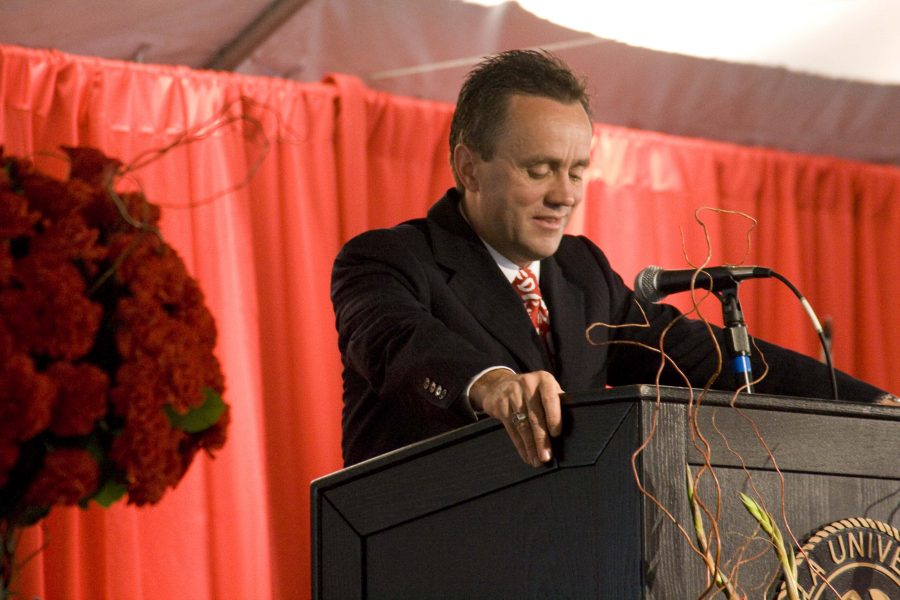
(108, 382)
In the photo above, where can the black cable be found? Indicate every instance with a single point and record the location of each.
(826, 349)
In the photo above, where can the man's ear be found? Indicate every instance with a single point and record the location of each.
(464, 165)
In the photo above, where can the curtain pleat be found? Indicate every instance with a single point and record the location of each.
(339, 158)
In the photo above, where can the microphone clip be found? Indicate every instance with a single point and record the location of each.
(736, 337)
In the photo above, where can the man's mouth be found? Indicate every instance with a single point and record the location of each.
(550, 222)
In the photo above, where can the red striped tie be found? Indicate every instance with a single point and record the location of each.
(527, 286)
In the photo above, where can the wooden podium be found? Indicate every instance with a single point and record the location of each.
(460, 516)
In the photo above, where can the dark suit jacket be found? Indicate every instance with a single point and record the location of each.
(422, 307)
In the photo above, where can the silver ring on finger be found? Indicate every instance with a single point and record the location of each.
(519, 418)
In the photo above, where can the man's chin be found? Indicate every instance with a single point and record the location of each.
(542, 251)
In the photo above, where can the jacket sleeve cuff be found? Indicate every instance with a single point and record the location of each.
(467, 403)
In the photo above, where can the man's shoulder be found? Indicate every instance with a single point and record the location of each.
(403, 250)
(578, 248)
(444, 210)
(578, 242)
(582, 262)
(421, 236)
(408, 232)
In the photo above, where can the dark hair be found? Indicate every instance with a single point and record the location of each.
(481, 106)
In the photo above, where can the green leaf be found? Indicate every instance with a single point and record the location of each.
(94, 448)
(752, 507)
(12, 174)
(111, 491)
(200, 418)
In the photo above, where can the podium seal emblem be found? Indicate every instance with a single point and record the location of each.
(851, 559)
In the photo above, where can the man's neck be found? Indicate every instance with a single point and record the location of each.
(509, 268)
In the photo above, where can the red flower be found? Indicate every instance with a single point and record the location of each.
(147, 452)
(52, 198)
(46, 310)
(68, 475)
(103, 333)
(6, 344)
(9, 454)
(16, 220)
(6, 264)
(91, 166)
(106, 215)
(26, 401)
(81, 399)
(148, 268)
(136, 389)
(192, 309)
(68, 238)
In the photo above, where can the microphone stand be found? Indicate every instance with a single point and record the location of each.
(736, 337)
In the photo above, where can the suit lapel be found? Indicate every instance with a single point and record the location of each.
(567, 321)
(479, 284)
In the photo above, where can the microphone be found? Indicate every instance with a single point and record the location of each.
(653, 283)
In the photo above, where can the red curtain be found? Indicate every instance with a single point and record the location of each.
(337, 159)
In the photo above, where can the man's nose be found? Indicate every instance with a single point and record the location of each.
(564, 191)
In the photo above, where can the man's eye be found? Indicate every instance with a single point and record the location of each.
(538, 172)
(575, 176)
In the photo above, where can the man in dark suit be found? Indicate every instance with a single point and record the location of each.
(432, 333)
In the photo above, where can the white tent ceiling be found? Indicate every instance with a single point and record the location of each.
(818, 76)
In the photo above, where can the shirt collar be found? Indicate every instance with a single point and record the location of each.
(509, 268)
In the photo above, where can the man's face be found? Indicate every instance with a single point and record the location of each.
(520, 201)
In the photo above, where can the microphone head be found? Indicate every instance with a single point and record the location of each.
(646, 286)
(654, 283)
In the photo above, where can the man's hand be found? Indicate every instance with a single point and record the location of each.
(505, 395)
(886, 399)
